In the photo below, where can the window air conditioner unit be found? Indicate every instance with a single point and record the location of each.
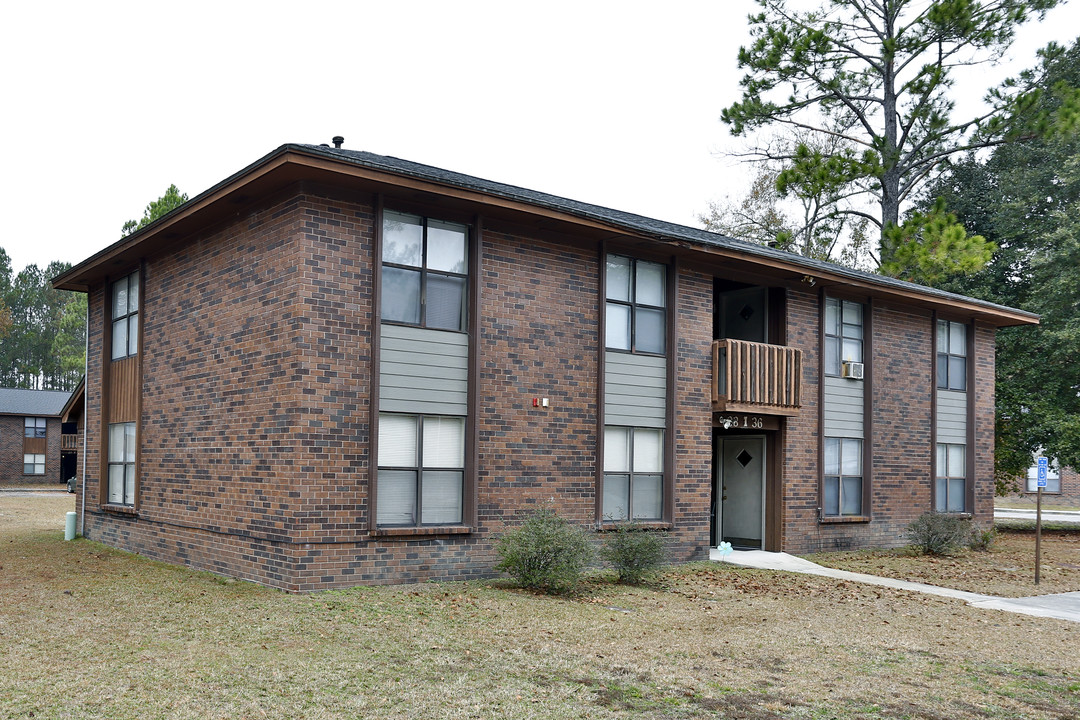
(853, 370)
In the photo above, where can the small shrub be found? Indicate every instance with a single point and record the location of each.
(939, 533)
(982, 540)
(634, 552)
(545, 553)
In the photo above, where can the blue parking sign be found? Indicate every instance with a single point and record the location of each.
(1043, 464)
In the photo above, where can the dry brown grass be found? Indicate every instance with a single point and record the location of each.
(89, 632)
(1008, 569)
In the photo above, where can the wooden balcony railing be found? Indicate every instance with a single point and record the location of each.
(755, 377)
(69, 442)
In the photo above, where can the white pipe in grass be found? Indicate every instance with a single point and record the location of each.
(69, 526)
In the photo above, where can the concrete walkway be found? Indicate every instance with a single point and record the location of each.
(1065, 606)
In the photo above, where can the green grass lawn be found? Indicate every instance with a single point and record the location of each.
(90, 632)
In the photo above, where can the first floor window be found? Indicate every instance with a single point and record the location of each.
(951, 493)
(633, 473)
(33, 464)
(421, 477)
(843, 476)
(122, 463)
(34, 427)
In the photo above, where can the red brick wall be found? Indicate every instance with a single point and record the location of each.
(12, 428)
(256, 379)
(903, 449)
(693, 418)
(1070, 489)
(11, 450)
(224, 363)
(902, 453)
(801, 434)
(985, 374)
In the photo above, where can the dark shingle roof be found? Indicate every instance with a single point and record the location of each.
(41, 403)
(659, 229)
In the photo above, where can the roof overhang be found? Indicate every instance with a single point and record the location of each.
(74, 406)
(291, 164)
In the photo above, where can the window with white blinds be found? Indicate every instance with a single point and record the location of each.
(633, 473)
(421, 470)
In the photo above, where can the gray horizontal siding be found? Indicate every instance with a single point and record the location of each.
(423, 371)
(952, 417)
(635, 390)
(844, 407)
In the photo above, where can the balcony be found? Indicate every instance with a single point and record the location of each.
(756, 378)
(69, 442)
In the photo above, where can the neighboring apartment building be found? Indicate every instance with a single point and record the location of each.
(337, 368)
(32, 437)
(1062, 485)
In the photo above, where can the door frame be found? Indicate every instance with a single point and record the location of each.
(717, 531)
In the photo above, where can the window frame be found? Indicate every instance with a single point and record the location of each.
(40, 427)
(124, 463)
(132, 279)
(841, 338)
(632, 473)
(419, 469)
(35, 463)
(946, 382)
(633, 305)
(425, 272)
(941, 504)
(840, 476)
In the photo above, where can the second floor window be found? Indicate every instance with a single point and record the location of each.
(636, 298)
(951, 355)
(843, 334)
(125, 316)
(34, 427)
(424, 272)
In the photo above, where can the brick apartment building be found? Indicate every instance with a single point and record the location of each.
(34, 446)
(336, 368)
(1062, 485)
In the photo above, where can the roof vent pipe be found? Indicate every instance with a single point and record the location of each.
(338, 140)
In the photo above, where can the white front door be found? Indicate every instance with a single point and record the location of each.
(742, 490)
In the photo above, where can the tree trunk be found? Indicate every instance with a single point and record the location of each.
(890, 179)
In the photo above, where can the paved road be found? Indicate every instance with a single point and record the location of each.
(1048, 516)
(27, 491)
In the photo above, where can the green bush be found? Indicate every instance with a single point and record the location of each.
(982, 540)
(634, 552)
(939, 533)
(545, 553)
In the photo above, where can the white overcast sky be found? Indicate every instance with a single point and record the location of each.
(615, 103)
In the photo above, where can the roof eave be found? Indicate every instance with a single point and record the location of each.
(314, 160)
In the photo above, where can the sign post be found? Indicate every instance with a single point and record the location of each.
(1041, 482)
